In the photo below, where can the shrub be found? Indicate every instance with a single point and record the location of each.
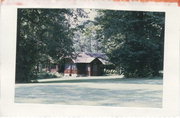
(45, 75)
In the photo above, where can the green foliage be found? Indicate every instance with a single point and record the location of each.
(133, 41)
(45, 75)
(85, 39)
(43, 36)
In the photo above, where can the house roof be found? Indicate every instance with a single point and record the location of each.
(86, 57)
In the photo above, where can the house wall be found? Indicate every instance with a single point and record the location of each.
(96, 68)
(82, 69)
(70, 69)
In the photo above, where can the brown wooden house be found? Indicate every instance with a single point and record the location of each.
(85, 64)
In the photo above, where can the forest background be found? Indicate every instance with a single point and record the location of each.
(133, 40)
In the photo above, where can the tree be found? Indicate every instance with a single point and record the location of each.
(43, 35)
(85, 39)
(133, 40)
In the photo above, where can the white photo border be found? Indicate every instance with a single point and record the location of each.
(171, 83)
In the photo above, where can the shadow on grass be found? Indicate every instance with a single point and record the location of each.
(118, 80)
(76, 95)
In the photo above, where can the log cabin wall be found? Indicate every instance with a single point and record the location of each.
(93, 68)
(96, 68)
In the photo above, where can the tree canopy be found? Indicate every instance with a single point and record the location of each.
(134, 40)
(43, 35)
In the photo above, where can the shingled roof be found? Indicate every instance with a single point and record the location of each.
(86, 57)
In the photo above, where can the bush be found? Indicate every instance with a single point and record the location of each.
(45, 75)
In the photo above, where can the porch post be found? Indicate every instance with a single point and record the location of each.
(89, 69)
(57, 68)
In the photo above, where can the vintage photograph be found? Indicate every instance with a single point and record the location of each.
(94, 57)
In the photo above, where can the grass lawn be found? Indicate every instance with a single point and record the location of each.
(101, 92)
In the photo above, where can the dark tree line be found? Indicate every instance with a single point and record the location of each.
(134, 41)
